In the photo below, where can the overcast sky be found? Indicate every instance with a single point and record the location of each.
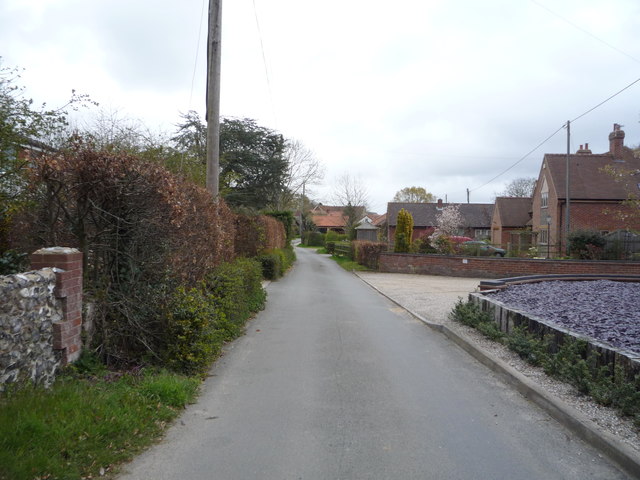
(439, 94)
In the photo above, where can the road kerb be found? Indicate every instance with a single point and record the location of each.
(568, 416)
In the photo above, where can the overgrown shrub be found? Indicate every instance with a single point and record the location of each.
(142, 232)
(422, 245)
(12, 261)
(443, 244)
(586, 244)
(368, 253)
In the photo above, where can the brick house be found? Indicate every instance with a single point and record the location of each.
(328, 217)
(476, 218)
(596, 198)
(511, 218)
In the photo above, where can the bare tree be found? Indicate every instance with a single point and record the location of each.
(349, 190)
(519, 187)
(304, 169)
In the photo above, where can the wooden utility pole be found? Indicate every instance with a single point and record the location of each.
(213, 95)
(567, 192)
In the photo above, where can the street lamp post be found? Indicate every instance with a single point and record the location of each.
(548, 234)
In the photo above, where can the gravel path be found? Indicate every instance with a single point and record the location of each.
(605, 310)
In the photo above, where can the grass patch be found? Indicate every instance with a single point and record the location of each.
(349, 264)
(84, 425)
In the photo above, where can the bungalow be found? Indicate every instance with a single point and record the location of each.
(596, 197)
(510, 220)
(476, 218)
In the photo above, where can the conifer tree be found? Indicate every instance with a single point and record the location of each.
(404, 231)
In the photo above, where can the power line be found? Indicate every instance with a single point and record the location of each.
(520, 160)
(264, 61)
(578, 27)
(195, 63)
(554, 133)
(605, 101)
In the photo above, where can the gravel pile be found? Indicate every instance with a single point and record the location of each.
(605, 310)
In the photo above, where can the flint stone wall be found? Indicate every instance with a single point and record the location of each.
(28, 310)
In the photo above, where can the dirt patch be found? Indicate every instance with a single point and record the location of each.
(605, 310)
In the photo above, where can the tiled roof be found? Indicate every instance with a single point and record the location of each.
(329, 220)
(587, 179)
(514, 211)
(475, 215)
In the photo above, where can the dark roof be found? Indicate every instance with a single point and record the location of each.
(588, 180)
(475, 215)
(514, 211)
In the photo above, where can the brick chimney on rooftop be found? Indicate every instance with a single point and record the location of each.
(616, 142)
(583, 150)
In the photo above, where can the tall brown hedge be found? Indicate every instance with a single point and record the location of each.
(142, 231)
(255, 234)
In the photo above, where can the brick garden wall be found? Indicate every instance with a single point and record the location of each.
(41, 317)
(491, 267)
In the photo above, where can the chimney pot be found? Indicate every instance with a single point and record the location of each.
(616, 142)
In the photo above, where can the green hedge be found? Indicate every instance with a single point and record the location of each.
(368, 253)
(276, 262)
(313, 239)
(202, 318)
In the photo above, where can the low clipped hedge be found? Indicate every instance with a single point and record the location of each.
(313, 239)
(368, 253)
(276, 262)
(202, 318)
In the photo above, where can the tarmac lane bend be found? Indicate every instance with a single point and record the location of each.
(333, 382)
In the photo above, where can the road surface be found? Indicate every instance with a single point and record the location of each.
(332, 381)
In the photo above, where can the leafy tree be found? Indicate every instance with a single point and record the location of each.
(519, 187)
(414, 195)
(404, 231)
(24, 130)
(190, 142)
(253, 164)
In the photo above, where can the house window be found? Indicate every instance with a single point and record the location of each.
(544, 236)
(481, 233)
(544, 199)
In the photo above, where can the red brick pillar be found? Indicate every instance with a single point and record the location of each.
(66, 332)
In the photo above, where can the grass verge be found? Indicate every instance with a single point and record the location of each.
(349, 264)
(84, 426)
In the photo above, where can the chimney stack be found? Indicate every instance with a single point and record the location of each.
(616, 142)
(584, 150)
(439, 207)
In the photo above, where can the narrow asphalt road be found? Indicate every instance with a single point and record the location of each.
(332, 381)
